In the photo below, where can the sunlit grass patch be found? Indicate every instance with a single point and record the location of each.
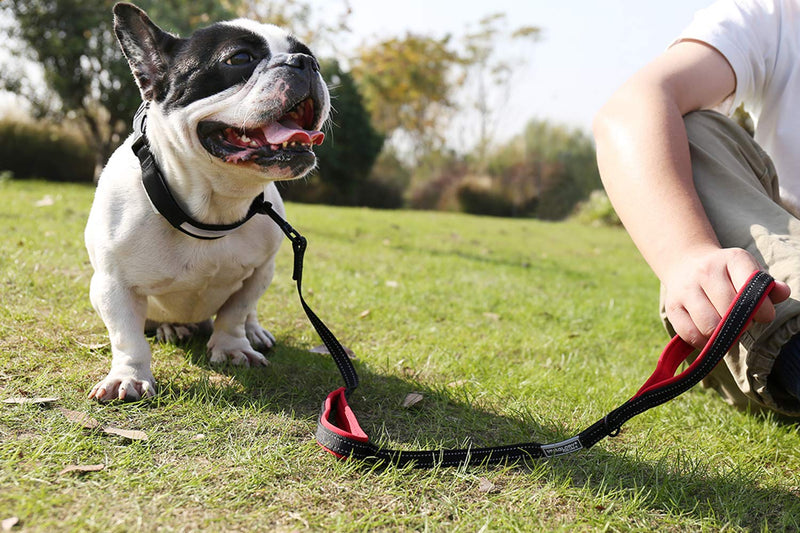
(510, 330)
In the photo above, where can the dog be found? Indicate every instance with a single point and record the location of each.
(230, 110)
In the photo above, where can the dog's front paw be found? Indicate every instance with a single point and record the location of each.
(237, 351)
(259, 338)
(126, 384)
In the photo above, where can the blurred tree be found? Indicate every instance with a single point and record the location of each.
(388, 181)
(546, 170)
(488, 76)
(408, 83)
(435, 179)
(349, 151)
(317, 28)
(86, 76)
(418, 87)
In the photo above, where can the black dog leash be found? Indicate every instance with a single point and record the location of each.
(338, 430)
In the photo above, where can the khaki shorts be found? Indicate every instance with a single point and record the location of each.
(738, 187)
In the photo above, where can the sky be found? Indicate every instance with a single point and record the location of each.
(589, 47)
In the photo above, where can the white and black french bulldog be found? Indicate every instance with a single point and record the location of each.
(229, 110)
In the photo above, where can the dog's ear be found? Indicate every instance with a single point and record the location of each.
(146, 47)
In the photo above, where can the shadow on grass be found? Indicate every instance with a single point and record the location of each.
(297, 381)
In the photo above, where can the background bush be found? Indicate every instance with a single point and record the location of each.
(40, 150)
(597, 211)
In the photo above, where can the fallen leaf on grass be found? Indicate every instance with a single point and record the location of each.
(221, 380)
(324, 350)
(409, 372)
(88, 422)
(364, 314)
(412, 398)
(486, 486)
(82, 469)
(37, 400)
(299, 518)
(93, 346)
(131, 434)
(8, 523)
(82, 419)
(46, 201)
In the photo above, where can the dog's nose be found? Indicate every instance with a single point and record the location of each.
(300, 61)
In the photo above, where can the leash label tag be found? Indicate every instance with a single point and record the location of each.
(562, 448)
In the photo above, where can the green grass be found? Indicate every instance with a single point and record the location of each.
(513, 330)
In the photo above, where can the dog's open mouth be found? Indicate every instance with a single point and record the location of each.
(290, 136)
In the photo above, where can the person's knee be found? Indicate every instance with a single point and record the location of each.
(730, 150)
(704, 126)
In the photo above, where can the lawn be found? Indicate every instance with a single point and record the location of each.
(511, 330)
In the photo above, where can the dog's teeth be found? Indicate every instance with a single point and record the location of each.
(254, 144)
(285, 145)
(245, 138)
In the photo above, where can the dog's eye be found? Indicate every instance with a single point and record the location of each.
(240, 58)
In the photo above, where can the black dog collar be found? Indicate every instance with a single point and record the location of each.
(164, 202)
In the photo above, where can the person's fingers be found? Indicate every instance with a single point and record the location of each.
(720, 291)
(700, 292)
(740, 268)
(685, 327)
(693, 316)
(780, 292)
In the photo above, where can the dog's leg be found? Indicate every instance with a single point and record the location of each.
(123, 312)
(237, 332)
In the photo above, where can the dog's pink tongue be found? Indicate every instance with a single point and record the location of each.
(288, 131)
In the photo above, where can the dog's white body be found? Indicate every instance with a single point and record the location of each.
(146, 271)
(183, 280)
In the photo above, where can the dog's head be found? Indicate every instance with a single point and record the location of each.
(235, 93)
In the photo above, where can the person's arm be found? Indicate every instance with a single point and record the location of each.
(643, 156)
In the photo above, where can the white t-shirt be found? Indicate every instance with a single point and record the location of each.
(761, 41)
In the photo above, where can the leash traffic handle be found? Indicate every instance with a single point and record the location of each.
(339, 432)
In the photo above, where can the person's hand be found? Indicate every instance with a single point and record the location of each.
(701, 288)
